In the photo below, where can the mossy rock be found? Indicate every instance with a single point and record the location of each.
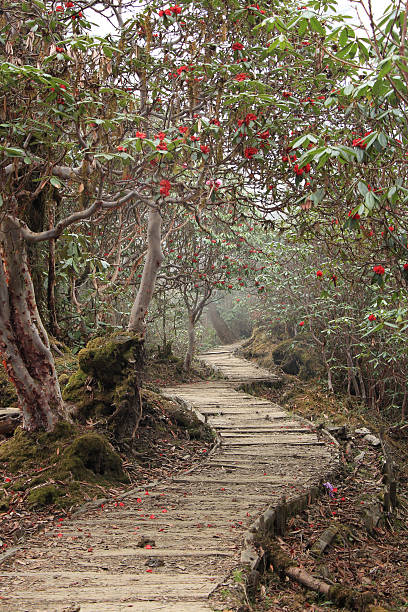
(91, 455)
(105, 359)
(296, 359)
(43, 496)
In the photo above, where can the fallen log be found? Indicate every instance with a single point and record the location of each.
(338, 594)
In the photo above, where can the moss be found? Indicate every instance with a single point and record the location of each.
(8, 395)
(43, 496)
(91, 455)
(106, 358)
(296, 359)
(74, 389)
(349, 598)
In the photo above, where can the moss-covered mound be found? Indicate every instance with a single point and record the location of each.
(106, 385)
(293, 356)
(53, 467)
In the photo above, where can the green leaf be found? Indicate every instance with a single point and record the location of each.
(343, 38)
(317, 26)
(362, 188)
(56, 182)
(14, 152)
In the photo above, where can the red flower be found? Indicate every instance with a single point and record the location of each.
(379, 270)
(162, 146)
(356, 216)
(391, 228)
(160, 136)
(183, 129)
(59, 49)
(59, 9)
(215, 122)
(301, 323)
(69, 4)
(371, 317)
(241, 76)
(250, 117)
(286, 94)
(319, 274)
(182, 69)
(121, 148)
(140, 135)
(237, 46)
(165, 187)
(264, 135)
(250, 152)
(205, 149)
(405, 266)
(175, 9)
(195, 138)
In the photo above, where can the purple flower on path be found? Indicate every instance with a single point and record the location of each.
(329, 488)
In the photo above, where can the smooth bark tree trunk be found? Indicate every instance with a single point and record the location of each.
(24, 344)
(191, 343)
(224, 333)
(153, 261)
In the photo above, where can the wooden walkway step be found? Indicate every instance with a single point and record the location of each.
(195, 522)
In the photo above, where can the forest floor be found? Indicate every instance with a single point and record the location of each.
(361, 555)
(168, 545)
(165, 446)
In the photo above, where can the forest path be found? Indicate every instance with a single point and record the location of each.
(195, 521)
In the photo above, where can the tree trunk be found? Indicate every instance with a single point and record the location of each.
(223, 331)
(51, 304)
(24, 343)
(154, 258)
(191, 343)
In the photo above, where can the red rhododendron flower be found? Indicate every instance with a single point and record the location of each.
(162, 146)
(175, 9)
(183, 129)
(215, 122)
(264, 135)
(205, 149)
(69, 4)
(371, 317)
(319, 273)
(379, 270)
(250, 152)
(356, 216)
(391, 228)
(286, 94)
(250, 117)
(405, 266)
(241, 76)
(195, 138)
(140, 135)
(59, 9)
(182, 69)
(121, 148)
(301, 323)
(237, 46)
(160, 136)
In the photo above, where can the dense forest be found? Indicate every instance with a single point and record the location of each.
(178, 177)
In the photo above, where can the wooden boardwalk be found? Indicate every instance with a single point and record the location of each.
(192, 525)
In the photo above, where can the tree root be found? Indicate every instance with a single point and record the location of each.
(338, 594)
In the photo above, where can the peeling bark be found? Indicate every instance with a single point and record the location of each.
(153, 261)
(24, 344)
